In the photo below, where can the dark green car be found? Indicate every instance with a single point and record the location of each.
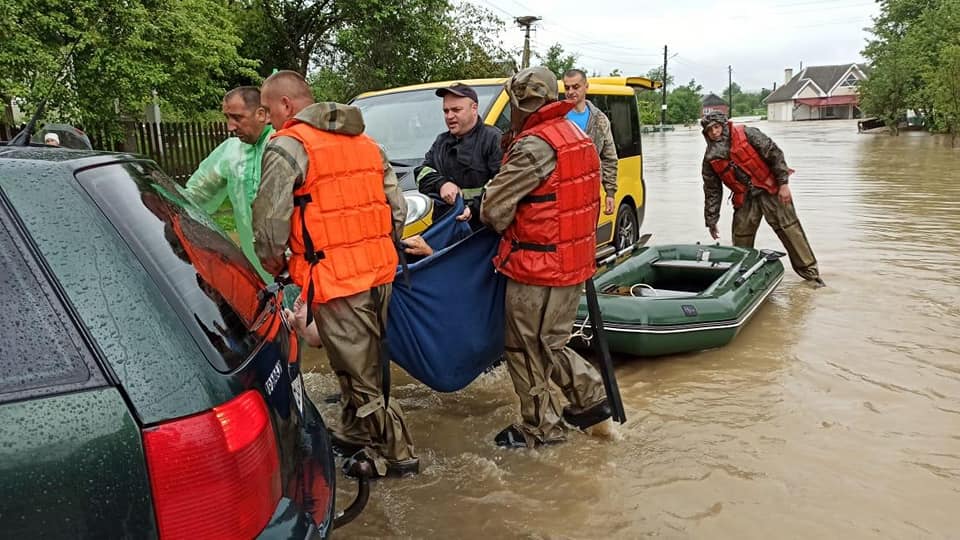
(149, 385)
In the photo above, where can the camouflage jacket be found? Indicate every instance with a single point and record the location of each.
(713, 186)
(598, 129)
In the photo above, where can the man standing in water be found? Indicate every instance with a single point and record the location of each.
(752, 166)
(545, 204)
(329, 193)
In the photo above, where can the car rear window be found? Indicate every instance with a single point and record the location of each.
(204, 275)
(41, 351)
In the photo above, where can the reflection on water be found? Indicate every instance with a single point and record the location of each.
(835, 413)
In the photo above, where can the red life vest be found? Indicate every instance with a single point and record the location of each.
(552, 241)
(341, 231)
(744, 157)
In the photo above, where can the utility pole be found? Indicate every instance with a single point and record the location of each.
(525, 22)
(730, 91)
(663, 93)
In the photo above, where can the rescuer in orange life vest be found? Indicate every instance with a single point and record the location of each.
(545, 202)
(752, 166)
(328, 192)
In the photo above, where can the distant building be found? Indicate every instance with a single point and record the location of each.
(817, 93)
(713, 103)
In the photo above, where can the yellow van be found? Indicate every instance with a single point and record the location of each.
(406, 120)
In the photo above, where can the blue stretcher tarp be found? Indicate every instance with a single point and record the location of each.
(447, 327)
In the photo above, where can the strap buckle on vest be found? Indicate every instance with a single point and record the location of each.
(516, 245)
(548, 197)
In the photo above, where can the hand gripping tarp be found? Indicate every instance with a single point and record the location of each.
(447, 327)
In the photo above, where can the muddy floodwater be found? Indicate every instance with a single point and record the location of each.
(834, 414)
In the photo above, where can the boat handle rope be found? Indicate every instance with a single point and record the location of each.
(654, 291)
(581, 334)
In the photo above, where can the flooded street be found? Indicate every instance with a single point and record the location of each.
(834, 414)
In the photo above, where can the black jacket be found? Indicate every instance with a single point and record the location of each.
(469, 162)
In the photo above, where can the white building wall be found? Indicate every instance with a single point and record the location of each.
(781, 111)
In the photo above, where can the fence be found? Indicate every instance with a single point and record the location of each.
(178, 147)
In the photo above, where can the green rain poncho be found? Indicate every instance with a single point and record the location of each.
(232, 170)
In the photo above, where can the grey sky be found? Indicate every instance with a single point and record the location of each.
(758, 38)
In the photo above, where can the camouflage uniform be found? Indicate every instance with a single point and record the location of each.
(758, 203)
(598, 129)
(538, 319)
(349, 327)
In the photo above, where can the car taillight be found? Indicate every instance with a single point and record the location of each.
(217, 474)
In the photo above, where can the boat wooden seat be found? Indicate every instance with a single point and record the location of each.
(687, 264)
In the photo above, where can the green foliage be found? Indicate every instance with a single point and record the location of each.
(945, 90)
(683, 104)
(911, 55)
(119, 53)
(656, 74)
(557, 60)
(393, 43)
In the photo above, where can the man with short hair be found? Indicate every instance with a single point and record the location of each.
(752, 166)
(329, 193)
(463, 158)
(233, 168)
(594, 123)
(545, 203)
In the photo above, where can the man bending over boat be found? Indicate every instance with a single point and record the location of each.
(753, 168)
(545, 203)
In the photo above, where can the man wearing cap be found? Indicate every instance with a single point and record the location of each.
(545, 203)
(753, 168)
(463, 158)
(596, 125)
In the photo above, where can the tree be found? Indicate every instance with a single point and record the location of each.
(113, 55)
(945, 87)
(408, 42)
(684, 103)
(910, 56)
(656, 74)
(557, 61)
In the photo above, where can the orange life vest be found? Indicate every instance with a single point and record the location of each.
(341, 231)
(745, 158)
(552, 240)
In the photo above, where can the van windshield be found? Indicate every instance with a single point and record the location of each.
(406, 123)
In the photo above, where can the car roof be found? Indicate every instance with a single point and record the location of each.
(73, 159)
(598, 85)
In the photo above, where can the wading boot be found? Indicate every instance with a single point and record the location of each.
(592, 415)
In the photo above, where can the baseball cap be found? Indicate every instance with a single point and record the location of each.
(459, 89)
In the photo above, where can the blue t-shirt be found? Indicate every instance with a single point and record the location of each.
(579, 119)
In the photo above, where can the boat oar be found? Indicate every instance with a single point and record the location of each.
(767, 255)
(606, 364)
(629, 249)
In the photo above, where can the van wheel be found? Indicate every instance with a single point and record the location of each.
(627, 231)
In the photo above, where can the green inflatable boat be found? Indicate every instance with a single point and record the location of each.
(677, 298)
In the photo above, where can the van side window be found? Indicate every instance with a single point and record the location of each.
(625, 124)
(503, 121)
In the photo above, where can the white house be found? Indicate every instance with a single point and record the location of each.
(817, 93)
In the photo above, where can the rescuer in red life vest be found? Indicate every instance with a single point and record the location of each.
(753, 168)
(545, 202)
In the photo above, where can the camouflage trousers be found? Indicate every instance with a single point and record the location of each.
(538, 324)
(785, 223)
(350, 330)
